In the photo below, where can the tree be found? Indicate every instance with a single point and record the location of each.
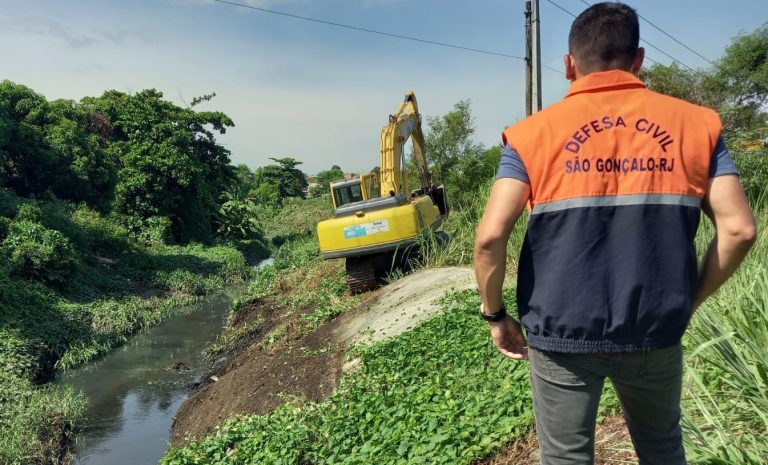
(283, 178)
(26, 161)
(88, 171)
(448, 139)
(737, 87)
(324, 178)
(741, 76)
(54, 148)
(243, 183)
(170, 163)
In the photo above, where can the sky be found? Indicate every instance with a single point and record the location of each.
(318, 93)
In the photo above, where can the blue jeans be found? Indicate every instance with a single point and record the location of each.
(566, 394)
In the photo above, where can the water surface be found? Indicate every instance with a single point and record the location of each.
(135, 391)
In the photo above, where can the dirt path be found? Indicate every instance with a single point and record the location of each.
(253, 379)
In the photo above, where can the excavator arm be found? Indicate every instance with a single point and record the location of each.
(405, 123)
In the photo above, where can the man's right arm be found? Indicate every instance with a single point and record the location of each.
(735, 232)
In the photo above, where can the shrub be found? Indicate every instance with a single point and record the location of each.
(239, 220)
(101, 234)
(157, 230)
(8, 203)
(29, 212)
(5, 224)
(38, 253)
(753, 170)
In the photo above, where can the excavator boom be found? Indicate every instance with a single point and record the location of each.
(405, 123)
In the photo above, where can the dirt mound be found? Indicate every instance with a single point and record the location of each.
(401, 305)
(252, 379)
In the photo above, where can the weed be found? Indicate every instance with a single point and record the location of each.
(106, 300)
(726, 396)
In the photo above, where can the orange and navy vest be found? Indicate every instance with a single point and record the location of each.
(617, 175)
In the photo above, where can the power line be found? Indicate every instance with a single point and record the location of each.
(671, 37)
(574, 15)
(641, 39)
(371, 31)
(679, 42)
(561, 8)
(552, 69)
(666, 54)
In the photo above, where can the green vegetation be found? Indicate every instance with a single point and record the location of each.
(727, 366)
(34, 421)
(324, 178)
(271, 184)
(104, 206)
(298, 282)
(436, 395)
(74, 285)
(440, 393)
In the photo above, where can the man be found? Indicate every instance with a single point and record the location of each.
(615, 177)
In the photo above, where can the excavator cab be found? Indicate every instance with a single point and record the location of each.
(355, 190)
(346, 192)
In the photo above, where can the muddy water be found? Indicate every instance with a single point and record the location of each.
(135, 391)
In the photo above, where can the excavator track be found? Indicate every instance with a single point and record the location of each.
(361, 274)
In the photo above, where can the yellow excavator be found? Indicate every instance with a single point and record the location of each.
(376, 222)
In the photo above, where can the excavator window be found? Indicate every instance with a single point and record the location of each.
(347, 194)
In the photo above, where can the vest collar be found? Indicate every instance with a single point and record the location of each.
(614, 79)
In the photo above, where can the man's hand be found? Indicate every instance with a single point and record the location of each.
(508, 338)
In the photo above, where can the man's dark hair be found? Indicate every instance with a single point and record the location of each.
(605, 36)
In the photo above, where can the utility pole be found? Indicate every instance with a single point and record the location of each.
(536, 59)
(528, 64)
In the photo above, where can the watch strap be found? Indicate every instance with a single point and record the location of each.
(494, 317)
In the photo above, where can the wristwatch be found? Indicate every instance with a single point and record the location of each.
(494, 317)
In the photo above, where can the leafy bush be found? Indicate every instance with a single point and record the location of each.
(102, 234)
(157, 230)
(5, 223)
(753, 170)
(239, 220)
(35, 421)
(29, 212)
(39, 253)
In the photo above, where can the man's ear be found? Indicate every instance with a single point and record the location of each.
(570, 67)
(637, 65)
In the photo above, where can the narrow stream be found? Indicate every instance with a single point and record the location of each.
(135, 391)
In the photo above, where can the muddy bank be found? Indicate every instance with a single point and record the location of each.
(253, 377)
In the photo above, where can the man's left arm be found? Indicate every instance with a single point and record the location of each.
(505, 204)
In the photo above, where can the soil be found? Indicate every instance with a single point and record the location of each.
(254, 379)
(612, 447)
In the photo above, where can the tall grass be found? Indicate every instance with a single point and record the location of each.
(726, 397)
(461, 227)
